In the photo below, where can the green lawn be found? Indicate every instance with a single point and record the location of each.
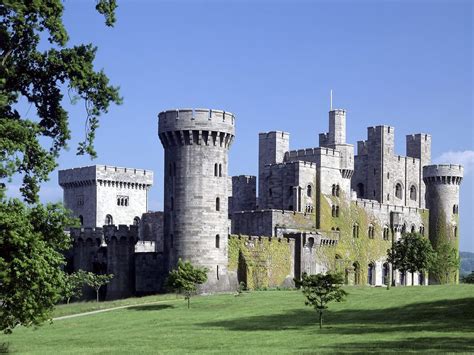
(430, 319)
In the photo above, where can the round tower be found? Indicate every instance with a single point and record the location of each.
(442, 199)
(196, 226)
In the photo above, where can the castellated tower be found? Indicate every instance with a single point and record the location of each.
(442, 198)
(196, 144)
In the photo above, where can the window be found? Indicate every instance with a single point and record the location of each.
(455, 231)
(398, 191)
(220, 170)
(360, 190)
(412, 229)
(81, 220)
(309, 190)
(371, 232)
(217, 241)
(455, 209)
(270, 192)
(413, 193)
(388, 176)
(136, 221)
(218, 204)
(355, 231)
(217, 271)
(386, 233)
(80, 200)
(337, 211)
(422, 230)
(333, 191)
(215, 169)
(385, 273)
(337, 190)
(122, 200)
(333, 211)
(371, 274)
(109, 220)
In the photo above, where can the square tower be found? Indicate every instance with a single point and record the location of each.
(100, 195)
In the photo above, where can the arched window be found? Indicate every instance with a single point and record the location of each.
(356, 273)
(220, 170)
(455, 231)
(136, 221)
(386, 234)
(309, 190)
(355, 231)
(413, 193)
(398, 191)
(371, 232)
(215, 169)
(385, 273)
(371, 274)
(333, 211)
(218, 204)
(333, 191)
(337, 211)
(126, 201)
(310, 242)
(338, 189)
(455, 209)
(412, 229)
(118, 201)
(81, 220)
(109, 220)
(422, 230)
(218, 241)
(360, 190)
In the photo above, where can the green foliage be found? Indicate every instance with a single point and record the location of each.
(446, 264)
(97, 281)
(31, 242)
(411, 253)
(185, 279)
(73, 284)
(467, 262)
(250, 259)
(32, 237)
(468, 279)
(322, 289)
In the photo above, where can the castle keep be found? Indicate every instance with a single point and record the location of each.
(318, 209)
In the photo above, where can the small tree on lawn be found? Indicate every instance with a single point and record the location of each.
(97, 281)
(73, 284)
(446, 264)
(321, 289)
(186, 278)
(411, 253)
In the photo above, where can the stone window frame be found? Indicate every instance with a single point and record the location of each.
(109, 220)
(413, 192)
(136, 221)
(218, 241)
(398, 192)
(218, 204)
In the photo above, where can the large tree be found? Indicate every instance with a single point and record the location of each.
(412, 253)
(31, 235)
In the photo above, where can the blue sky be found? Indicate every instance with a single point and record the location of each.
(407, 64)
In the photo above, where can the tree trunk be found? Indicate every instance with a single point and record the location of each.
(320, 319)
(67, 302)
(412, 278)
(189, 298)
(97, 294)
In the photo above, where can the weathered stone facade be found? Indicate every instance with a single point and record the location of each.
(317, 209)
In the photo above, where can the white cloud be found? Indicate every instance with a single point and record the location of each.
(465, 158)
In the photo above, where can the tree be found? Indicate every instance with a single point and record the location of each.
(322, 289)
(468, 279)
(411, 253)
(186, 278)
(73, 284)
(32, 236)
(97, 281)
(32, 240)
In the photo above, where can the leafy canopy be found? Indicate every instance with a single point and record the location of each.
(185, 279)
(38, 77)
(31, 244)
(412, 253)
(32, 236)
(321, 289)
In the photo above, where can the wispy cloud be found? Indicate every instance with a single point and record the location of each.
(465, 158)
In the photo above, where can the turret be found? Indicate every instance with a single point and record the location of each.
(196, 144)
(442, 199)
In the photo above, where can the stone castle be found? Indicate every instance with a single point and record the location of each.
(317, 209)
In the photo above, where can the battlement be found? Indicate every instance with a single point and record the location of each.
(244, 179)
(377, 206)
(294, 163)
(104, 175)
(80, 235)
(311, 152)
(273, 134)
(443, 174)
(145, 246)
(199, 120)
(121, 233)
(253, 238)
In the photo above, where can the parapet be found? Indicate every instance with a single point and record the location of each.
(188, 119)
(310, 152)
(273, 134)
(244, 179)
(81, 235)
(443, 174)
(122, 233)
(104, 174)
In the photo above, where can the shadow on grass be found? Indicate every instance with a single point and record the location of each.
(437, 316)
(425, 344)
(150, 307)
(4, 348)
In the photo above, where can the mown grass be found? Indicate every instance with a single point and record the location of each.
(426, 319)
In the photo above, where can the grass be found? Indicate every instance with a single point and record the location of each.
(427, 319)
